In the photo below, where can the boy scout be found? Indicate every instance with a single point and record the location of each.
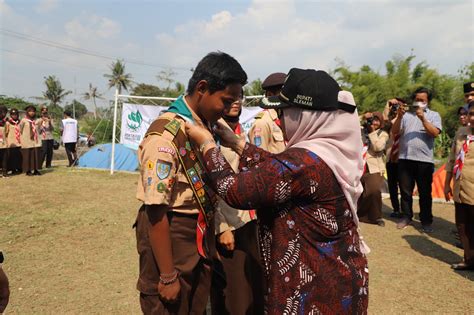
(13, 134)
(174, 240)
(30, 142)
(237, 279)
(265, 132)
(460, 167)
(3, 141)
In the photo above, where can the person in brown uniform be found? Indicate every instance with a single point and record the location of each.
(30, 142)
(460, 167)
(46, 128)
(13, 134)
(266, 131)
(174, 226)
(3, 142)
(237, 282)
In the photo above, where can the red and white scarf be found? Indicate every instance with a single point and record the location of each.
(457, 169)
(33, 131)
(16, 123)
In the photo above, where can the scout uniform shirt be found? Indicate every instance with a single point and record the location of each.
(13, 134)
(226, 217)
(266, 133)
(162, 178)
(3, 136)
(45, 127)
(464, 183)
(375, 157)
(30, 137)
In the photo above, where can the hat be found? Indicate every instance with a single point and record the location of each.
(30, 106)
(468, 87)
(310, 89)
(13, 111)
(274, 80)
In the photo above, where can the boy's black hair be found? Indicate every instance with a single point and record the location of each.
(68, 113)
(461, 109)
(219, 70)
(3, 109)
(422, 90)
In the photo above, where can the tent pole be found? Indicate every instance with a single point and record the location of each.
(112, 157)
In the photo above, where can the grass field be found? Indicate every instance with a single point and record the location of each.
(70, 248)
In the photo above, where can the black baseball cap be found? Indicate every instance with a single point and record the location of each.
(309, 89)
(468, 87)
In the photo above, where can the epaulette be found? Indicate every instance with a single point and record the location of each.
(259, 115)
(171, 125)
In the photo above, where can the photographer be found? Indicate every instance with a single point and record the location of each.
(370, 202)
(417, 129)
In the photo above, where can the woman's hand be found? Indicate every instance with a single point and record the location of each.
(227, 240)
(169, 293)
(200, 136)
(228, 138)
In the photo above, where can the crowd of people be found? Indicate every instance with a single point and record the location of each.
(27, 144)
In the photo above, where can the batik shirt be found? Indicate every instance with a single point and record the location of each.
(309, 240)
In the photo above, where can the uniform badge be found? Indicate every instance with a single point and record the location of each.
(182, 151)
(191, 172)
(161, 187)
(170, 182)
(149, 181)
(163, 169)
(173, 127)
(166, 150)
(192, 155)
(258, 141)
(150, 165)
(188, 146)
(198, 168)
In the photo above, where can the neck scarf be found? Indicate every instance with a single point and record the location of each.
(33, 131)
(16, 123)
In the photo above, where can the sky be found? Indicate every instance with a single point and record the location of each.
(264, 36)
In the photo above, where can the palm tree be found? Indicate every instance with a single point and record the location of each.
(54, 91)
(92, 95)
(118, 77)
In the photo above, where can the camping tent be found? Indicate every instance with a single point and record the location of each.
(99, 157)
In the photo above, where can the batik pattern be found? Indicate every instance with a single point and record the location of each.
(310, 245)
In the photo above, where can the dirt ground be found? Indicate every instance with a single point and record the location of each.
(70, 248)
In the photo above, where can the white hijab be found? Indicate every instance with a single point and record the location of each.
(335, 137)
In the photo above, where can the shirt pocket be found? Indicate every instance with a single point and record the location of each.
(277, 135)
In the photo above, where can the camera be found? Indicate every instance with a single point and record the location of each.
(369, 121)
(394, 108)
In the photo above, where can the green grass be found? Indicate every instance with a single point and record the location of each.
(70, 248)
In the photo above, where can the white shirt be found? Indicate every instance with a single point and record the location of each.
(69, 128)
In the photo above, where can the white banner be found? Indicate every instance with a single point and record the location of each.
(137, 118)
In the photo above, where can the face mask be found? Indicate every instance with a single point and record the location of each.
(420, 105)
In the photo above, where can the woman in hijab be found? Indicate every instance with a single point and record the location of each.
(312, 252)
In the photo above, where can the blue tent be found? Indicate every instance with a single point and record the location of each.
(99, 157)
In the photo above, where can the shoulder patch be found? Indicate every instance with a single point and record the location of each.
(173, 127)
(163, 169)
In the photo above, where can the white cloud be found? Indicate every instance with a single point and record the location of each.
(45, 6)
(92, 26)
(275, 36)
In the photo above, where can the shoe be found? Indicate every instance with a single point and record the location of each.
(462, 266)
(29, 173)
(427, 228)
(459, 245)
(37, 173)
(395, 214)
(380, 222)
(403, 223)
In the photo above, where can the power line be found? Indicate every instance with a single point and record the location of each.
(70, 48)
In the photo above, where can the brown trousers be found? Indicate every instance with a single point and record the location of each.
(369, 208)
(237, 276)
(31, 159)
(464, 216)
(195, 272)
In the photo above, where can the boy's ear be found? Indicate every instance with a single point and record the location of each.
(201, 87)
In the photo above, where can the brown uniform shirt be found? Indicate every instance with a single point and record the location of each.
(266, 134)
(26, 139)
(226, 217)
(464, 185)
(45, 127)
(162, 178)
(3, 137)
(12, 140)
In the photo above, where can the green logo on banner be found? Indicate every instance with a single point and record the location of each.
(134, 120)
